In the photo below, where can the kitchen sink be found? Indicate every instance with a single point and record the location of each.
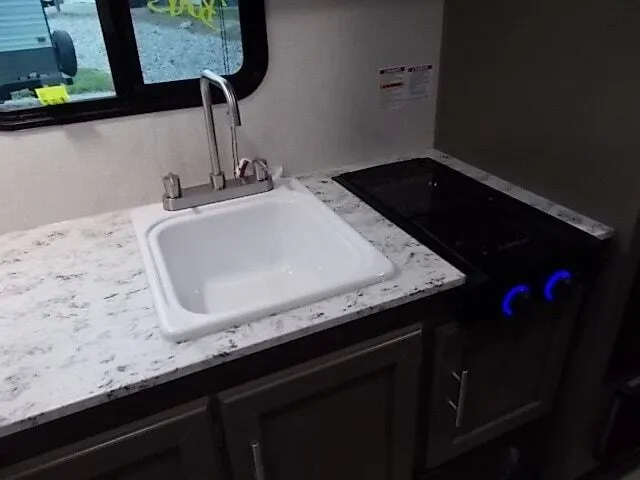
(230, 263)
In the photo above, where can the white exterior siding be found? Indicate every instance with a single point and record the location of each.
(23, 25)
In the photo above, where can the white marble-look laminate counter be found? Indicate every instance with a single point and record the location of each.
(78, 326)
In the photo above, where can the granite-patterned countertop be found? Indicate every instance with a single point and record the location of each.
(78, 327)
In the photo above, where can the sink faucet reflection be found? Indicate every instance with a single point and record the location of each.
(219, 188)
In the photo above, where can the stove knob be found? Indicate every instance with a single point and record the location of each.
(516, 301)
(558, 286)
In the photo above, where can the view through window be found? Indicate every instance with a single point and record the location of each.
(177, 39)
(53, 51)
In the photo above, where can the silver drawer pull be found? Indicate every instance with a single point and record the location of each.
(258, 468)
(462, 396)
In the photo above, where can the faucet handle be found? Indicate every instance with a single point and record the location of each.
(261, 169)
(172, 188)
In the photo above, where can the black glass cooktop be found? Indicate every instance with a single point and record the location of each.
(473, 226)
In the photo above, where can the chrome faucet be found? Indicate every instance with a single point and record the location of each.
(219, 188)
(207, 79)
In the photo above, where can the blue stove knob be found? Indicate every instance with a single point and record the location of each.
(558, 285)
(516, 300)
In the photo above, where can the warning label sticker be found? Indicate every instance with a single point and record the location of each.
(402, 84)
(392, 87)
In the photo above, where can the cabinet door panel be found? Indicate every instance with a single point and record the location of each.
(347, 415)
(174, 444)
(504, 376)
(510, 378)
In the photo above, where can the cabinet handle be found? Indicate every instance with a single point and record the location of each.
(256, 454)
(462, 396)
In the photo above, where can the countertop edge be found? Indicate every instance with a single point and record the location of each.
(45, 385)
(131, 389)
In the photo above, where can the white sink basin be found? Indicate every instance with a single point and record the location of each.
(230, 263)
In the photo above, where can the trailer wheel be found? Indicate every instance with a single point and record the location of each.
(65, 52)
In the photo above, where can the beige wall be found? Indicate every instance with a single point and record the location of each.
(545, 93)
(317, 107)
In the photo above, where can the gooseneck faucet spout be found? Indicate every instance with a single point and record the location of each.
(208, 78)
(218, 188)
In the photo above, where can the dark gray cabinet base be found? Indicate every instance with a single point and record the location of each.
(348, 415)
(177, 444)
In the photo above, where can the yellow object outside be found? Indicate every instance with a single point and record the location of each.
(54, 95)
(204, 12)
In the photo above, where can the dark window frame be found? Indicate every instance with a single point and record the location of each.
(133, 96)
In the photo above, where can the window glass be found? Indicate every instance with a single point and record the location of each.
(64, 61)
(177, 39)
(51, 52)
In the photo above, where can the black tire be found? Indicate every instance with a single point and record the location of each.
(65, 52)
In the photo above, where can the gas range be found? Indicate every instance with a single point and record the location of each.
(515, 256)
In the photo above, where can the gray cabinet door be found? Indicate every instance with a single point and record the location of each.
(348, 415)
(177, 444)
(482, 389)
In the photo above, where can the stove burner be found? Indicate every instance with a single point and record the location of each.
(516, 252)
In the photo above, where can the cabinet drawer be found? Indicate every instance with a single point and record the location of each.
(174, 444)
(348, 415)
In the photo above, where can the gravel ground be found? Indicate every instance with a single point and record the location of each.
(169, 53)
(166, 52)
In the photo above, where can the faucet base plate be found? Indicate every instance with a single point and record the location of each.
(205, 194)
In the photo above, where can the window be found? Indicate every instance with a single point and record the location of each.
(65, 61)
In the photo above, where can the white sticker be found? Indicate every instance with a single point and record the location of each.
(392, 87)
(402, 84)
(419, 81)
